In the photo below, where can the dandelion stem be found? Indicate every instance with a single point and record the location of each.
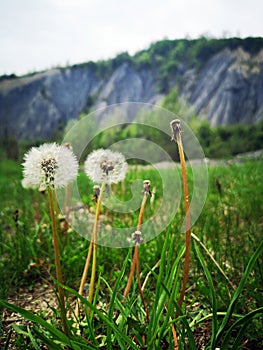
(136, 253)
(61, 292)
(135, 260)
(83, 279)
(140, 286)
(187, 222)
(144, 200)
(38, 208)
(174, 336)
(176, 129)
(128, 286)
(95, 245)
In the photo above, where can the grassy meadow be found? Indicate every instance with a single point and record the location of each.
(223, 305)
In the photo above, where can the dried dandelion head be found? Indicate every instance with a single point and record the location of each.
(96, 192)
(146, 187)
(176, 129)
(105, 165)
(49, 165)
(136, 236)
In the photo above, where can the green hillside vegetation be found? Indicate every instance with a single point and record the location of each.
(218, 142)
(165, 59)
(164, 56)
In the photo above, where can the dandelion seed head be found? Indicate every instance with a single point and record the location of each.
(106, 165)
(49, 165)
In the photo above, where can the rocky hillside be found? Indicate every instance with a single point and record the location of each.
(221, 79)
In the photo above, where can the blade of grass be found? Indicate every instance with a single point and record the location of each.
(153, 317)
(57, 334)
(195, 322)
(183, 319)
(167, 293)
(212, 258)
(27, 334)
(33, 340)
(170, 282)
(168, 315)
(185, 323)
(95, 298)
(91, 328)
(113, 297)
(46, 340)
(212, 293)
(120, 336)
(244, 321)
(238, 291)
(161, 295)
(117, 302)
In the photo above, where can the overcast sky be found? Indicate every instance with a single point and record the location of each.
(40, 34)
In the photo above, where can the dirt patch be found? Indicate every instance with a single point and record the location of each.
(40, 299)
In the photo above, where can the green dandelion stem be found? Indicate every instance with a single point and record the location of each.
(61, 292)
(95, 245)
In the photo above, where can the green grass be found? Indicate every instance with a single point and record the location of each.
(230, 227)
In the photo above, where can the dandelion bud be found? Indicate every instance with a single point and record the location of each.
(176, 129)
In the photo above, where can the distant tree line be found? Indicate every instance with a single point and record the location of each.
(218, 142)
(169, 57)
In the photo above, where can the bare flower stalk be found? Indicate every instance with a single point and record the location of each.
(138, 240)
(174, 336)
(176, 136)
(95, 242)
(105, 167)
(92, 248)
(83, 280)
(61, 292)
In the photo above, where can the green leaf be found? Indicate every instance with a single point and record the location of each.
(239, 289)
(33, 340)
(38, 320)
(46, 340)
(212, 292)
(244, 321)
(113, 298)
(122, 339)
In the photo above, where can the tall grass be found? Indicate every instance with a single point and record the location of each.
(225, 279)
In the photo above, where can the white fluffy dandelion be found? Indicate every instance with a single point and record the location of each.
(49, 165)
(105, 165)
